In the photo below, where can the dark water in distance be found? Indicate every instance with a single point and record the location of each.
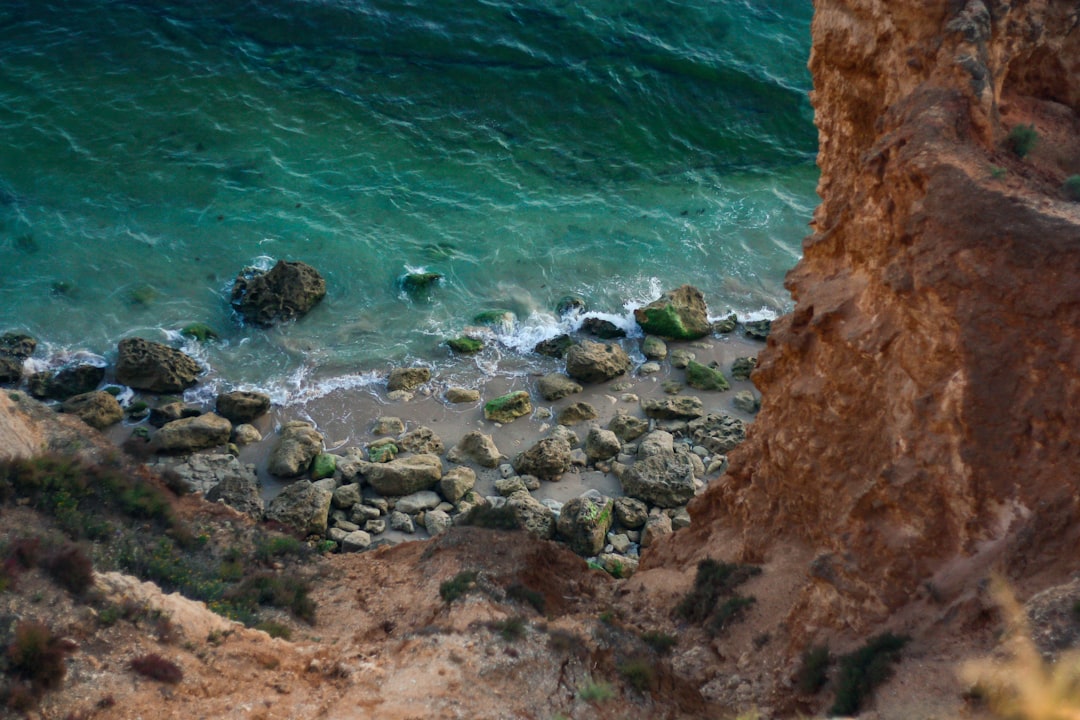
(525, 149)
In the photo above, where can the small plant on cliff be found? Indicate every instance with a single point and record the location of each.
(639, 673)
(863, 670)
(36, 659)
(1022, 139)
(457, 586)
(157, 668)
(71, 569)
(713, 582)
(813, 670)
(595, 692)
(1071, 188)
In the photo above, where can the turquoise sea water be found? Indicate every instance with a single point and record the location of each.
(525, 149)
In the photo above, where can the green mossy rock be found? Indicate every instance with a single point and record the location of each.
(495, 317)
(703, 377)
(420, 284)
(678, 315)
(199, 331)
(570, 304)
(465, 345)
(508, 408)
(382, 452)
(323, 466)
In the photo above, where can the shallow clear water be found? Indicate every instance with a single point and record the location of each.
(525, 149)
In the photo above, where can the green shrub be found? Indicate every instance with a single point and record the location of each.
(275, 629)
(280, 591)
(511, 629)
(1071, 188)
(813, 670)
(863, 670)
(457, 586)
(157, 668)
(713, 581)
(37, 657)
(660, 642)
(71, 569)
(595, 692)
(729, 612)
(520, 593)
(639, 673)
(1022, 139)
(276, 546)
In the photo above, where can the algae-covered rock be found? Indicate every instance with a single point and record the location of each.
(382, 451)
(465, 345)
(419, 285)
(502, 318)
(584, 522)
(407, 378)
(555, 347)
(288, 290)
(677, 315)
(509, 407)
(703, 377)
(199, 331)
(323, 466)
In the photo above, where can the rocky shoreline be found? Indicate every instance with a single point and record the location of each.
(602, 456)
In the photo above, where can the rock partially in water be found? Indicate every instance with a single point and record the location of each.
(555, 347)
(592, 362)
(287, 291)
(603, 329)
(556, 386)
(68, 381)
(509, 407)
(680, 314)
(151, 366)
(97, 409)
(243, 406)
(407, 378)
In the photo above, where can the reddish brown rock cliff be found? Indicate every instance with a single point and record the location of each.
(922, 402)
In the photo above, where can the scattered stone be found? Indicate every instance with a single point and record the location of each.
(345, 496)
(603, 329)
(356, 541)
(584, 523)
(717, 433)
(436, 522)
(408, 378)
(405, 476)
(376, 526)
(531, 515)
(243, 406)
(680, 314)
(680, 358)
(382, 451)
(401, 522)
(154, 367)
(601, 444)
(555, 347)
(577, 413)
(323, 466)
(465, 345)
(556, 386)
(758, 329)
(578, 458)
(570, 305)
(564, 433)
(302, 505)
(742, 367)
(65, 382)
(477, 447)
(506, 470)
(190, 434)
(288, 290)
(532, 483)
(336, 534)
(617, 566)
(380, 505)
(508, 486)
(656, 527)
(649, 368)
(595, 362)
(676, 408)
(680, 520)
(459, 395)
(361, 513)
(399, 396)
(417, 502)
(507, 408)
(456, 483)
(345, 525)
(627, 427)
(630, 512)
(654, 348)
(298, 444)
(619, 542)
(169, 412)
(547, 459)
(223, 478)
(660, 480)
(246, 435)
(422, 440)
(747, 402)
(672, 387)
(352, 465)
(704, 377)
(726, 325)
(97, 409)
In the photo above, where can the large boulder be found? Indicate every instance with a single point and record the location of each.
(97, 409)
(717, 433)
(151, 366)
(191, 434)
(556, 386)
(507, 408)
(660, 480)
(66, 382)
(677, 315)
(477, 447)
(408, 378)
(302, 505)
(288, 290)
(456, 483)
(404, 476)
(422, 440)
(547, 459)
(601, 444)
(705, 377)
(297, 445)
(596, 362)
(584, 523)
(14, 349)
(243, 406)
(11, 370)
(683, 407)
(531, 515)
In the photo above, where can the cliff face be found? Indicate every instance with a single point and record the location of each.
(922, 402)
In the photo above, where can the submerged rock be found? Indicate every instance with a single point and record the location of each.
(465, 345)
(288, 290)
(570, 305)
(17, 345)
(680, 314)
(420, 285)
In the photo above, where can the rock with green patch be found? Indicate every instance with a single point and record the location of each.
(420, 285)
(509, 407)
(382, 451)
(704, 377)
(465, 345)
(680, 314)
(323, 466)
(584, 523)
(555, 347)
(617, 566)
(200, 332)
(499, 318)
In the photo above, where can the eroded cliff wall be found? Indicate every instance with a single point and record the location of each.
(922, 402)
